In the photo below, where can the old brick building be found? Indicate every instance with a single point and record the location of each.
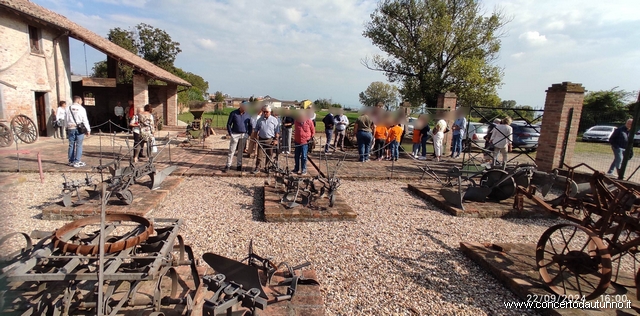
(35, 69)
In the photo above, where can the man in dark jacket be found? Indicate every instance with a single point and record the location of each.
(619, 140)
(329, 124)
(238, 128)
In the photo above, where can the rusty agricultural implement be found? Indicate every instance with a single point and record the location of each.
(581, 259)
(56, 272)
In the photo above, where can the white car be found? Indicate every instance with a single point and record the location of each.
(410, 126)
(598, 133)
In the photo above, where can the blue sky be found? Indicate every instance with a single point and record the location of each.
(312, 49)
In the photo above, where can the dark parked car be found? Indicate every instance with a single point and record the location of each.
(525, 136)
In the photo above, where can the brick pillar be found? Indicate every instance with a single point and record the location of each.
(447, 101)
(140, 90)
(171, 106)
(561, 98)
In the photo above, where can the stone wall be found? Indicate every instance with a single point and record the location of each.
(22, 73)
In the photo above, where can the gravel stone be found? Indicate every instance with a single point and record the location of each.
(400, 257)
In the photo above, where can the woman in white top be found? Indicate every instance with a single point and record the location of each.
(61, 114)
(438, 136)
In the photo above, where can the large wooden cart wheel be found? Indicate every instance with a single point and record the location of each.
(504, 190)
(573, 262)
(24, 128)
(6, 137)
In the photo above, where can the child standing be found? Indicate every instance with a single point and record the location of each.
(415, 152)
(380, 136)
(395, 135)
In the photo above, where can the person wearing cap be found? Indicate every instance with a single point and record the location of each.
(238, 127)
(268, 131)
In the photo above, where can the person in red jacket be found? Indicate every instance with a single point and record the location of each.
(303, 133)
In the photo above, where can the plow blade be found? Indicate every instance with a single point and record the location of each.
(235, 271)
(158, 177)
(477, 194)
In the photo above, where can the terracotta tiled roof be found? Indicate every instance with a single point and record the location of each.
(34, 11)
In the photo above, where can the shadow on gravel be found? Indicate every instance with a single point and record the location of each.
(433, 269)
(256, 207)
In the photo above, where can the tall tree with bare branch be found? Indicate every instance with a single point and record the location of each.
(435, 46)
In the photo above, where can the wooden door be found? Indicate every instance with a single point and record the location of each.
(41, 113)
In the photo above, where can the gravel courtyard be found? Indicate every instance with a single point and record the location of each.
(400, 257)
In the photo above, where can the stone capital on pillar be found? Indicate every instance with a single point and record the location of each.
(562, 112)
(447, 101)
(140, 90)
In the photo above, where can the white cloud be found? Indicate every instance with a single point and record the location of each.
(533, 38)
(312, 48)
(293, 14)
(128, 3)
(206, 43)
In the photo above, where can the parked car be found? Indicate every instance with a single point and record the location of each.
(525, 136)
(598, 133)
(476, 133)
(411, 121)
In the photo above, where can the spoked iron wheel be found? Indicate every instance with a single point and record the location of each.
(573, 261)
(24, 128)
(6, 137)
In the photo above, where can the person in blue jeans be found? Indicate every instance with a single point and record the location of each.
(458, 128)
(619, 141)
(303, 133)
(76, 115)
(329, 124)
(364, 128)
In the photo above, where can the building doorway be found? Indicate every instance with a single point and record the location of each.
(41, 113)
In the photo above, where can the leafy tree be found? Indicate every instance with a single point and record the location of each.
(156, 46)
(219, 97)
(322, 103)
(380, 92)
(508, 104)
(125, 39)
(198, 89)
(434, 46)
(609, 107)
(336, 105)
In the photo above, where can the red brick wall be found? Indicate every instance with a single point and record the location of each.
(557, 107)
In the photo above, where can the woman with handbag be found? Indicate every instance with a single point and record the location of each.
(142, 125)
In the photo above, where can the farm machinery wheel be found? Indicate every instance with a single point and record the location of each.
(504, 190)
(6, 137)
(573, 262)
(24, 128)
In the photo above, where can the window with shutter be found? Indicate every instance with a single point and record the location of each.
(34, 39)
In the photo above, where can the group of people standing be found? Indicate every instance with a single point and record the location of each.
(73, 122)
(271, 133)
